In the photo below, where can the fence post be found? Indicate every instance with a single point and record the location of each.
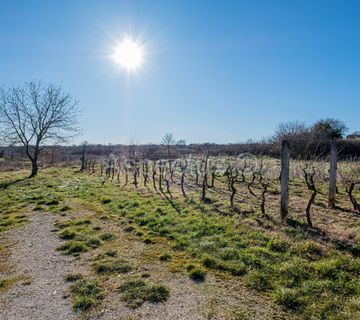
(332, 174)
(284, 180)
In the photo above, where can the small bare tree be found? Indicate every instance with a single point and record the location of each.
(35, 114)
(168, 140)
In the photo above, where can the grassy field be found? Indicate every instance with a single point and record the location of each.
(301, 273)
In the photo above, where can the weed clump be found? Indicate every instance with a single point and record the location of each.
(259, 281)
(52, 202)
(87, 293)
(105, 200)
(73, 247)
(136, 292)
(73, 277)
(108, 236)
(67, 234)
(65, 208)
(165, 257)
(289, 299)
(196, 274)
(93, 243)
(111, 253)
(119, 266)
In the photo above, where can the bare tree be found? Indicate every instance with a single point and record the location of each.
(168, 140)
(35, 114)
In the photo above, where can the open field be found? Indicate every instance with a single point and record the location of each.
(126, 252)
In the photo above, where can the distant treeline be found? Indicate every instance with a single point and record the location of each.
(299, 150)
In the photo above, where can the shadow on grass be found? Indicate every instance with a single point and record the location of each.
(317, 233)
(4, 185)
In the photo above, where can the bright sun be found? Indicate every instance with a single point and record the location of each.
(129, 54)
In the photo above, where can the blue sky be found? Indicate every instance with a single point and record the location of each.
(215, 71)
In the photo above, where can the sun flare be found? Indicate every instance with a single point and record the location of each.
(129, 54)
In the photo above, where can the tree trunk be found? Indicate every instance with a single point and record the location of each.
(308, 208)
(34, 167)
(203, 192)
(212, 180)
(182, 185)
(82, 168)
(263, 198)
(353, 200)
(233, 192)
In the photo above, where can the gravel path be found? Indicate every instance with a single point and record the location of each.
(40, 292)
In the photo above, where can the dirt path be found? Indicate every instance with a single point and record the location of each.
(38, 270)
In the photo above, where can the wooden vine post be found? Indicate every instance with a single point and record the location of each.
(284, 180)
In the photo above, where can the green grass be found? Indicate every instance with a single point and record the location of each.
(305, 275)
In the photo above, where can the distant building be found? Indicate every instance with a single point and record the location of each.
(354, 136)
